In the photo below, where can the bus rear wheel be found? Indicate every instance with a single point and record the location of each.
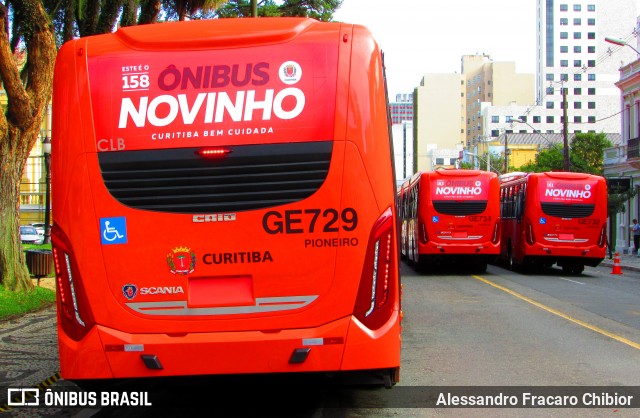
(574, 269)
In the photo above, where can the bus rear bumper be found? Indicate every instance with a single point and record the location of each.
(106, 353)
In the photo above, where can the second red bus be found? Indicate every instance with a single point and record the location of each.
(449, 216)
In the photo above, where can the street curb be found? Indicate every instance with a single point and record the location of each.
(609, 263)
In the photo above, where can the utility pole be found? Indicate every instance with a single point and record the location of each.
(506, 153)
(565, 129)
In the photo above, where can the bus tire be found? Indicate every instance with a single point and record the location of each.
(510, 264)
(480, 267)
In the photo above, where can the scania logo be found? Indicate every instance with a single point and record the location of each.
(129, 291)
(214, 217)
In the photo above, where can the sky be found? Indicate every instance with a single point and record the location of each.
(431, 36)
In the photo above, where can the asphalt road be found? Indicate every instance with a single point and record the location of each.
(496, 329)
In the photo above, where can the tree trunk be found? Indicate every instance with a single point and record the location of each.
(13, 271)
(19, 128)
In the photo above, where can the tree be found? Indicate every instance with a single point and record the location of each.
(318, 9)
(28, 88)
(587, 151)
(586, 155)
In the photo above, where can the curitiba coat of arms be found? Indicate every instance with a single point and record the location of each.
(182, 260)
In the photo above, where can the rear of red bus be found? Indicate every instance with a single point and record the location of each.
(564, 221)
(458, 218)
(224, 201)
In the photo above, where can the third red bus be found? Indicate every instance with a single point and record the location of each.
(553, 217)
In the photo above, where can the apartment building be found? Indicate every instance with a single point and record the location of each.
(572, 54)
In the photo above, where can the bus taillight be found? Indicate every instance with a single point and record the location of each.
(602, 240)
(495, 238)
(74, 314)
(424, 238)
(529, 236)
(376, 292)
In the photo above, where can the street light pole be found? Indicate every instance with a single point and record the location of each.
(565, 130)
(46, 149)
(619, 42)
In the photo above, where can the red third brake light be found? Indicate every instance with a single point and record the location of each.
(376, 293)
(213, 152)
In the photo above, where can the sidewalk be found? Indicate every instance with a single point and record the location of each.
(628, 262)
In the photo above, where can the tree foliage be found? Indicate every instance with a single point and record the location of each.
(586, 154)
(322, 10)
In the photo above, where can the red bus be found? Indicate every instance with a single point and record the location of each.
(554, 217)
(223, 201)
(450, 216)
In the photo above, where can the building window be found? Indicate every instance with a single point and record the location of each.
(564, 35)
(591, 105)
(564, 49)
(495, 132)
(577, 77)
(591, 35)
(452, 161)
(577, 91)
(564, 77)
(549, 77)
(549, 90)
(523, 118)
(577, 49)
(536, 119)
(592, 119)
(439, 161)
(564, 63)
(577, 119)
(549, 119)
(592, 77)
(591, 49)
(495, 119)
(591, 63)
(591, 7)
(577, 35)
(577, 105)
(577, 21)
(577, 7)
(564, 21)
(508, 119)
(550, 131)
(591, 91)
(549, 105)
(577, 63)
(564, 7)
(591, 21)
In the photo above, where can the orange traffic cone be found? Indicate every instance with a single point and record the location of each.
(616, 265)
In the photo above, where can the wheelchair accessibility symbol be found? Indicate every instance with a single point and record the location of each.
(113, 230)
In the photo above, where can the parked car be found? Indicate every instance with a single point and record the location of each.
(40, 228)
(29, 235)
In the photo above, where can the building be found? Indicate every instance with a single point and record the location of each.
(438, 119)
(572, 54)
(403, 149)
(489, 83)
(402, 109)
(449, 108)
(623, 161)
